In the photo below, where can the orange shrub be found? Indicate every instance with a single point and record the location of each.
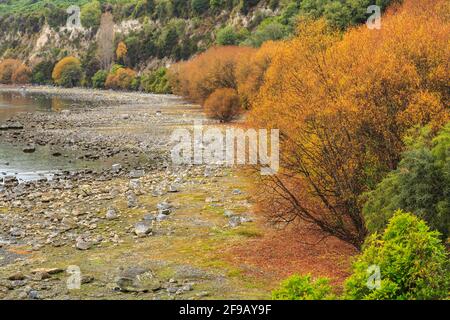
(343, 104)
(198, 78)
(223, 104)
(21, 75)
(121, 51)
(7, 69)
(122, 78)
(250, 72)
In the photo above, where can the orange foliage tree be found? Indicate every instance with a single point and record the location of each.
(121, 78)
(223, 104)
(121, 51)
(13, 71)
(198, 78)
(250, 71)
(21, 75)
(343, 104)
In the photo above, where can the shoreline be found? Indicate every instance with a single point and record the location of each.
(93, 95)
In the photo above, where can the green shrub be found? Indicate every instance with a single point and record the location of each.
(135, 83)
(199, 6)
(99, 79)
(413, 263)
(156, 81)
(54, 16)
(90, 15)
(42, 72)
(246, 5)
(168, 40)
(420, 185)
(268, 31)
(228, 36)
(303, 288)
(163, 9)
(217, 5)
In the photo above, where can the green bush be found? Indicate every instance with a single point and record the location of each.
(421, 184)
(163, 9)
(168, 40)
(413, 263)
(99, 79)
(156, 82)
(71, 76)
(268, 31)
(54, 16)
(227, 36)
(135, 84)
(303, 288)
(246, 5)
(217, 5)
(199, 6)
(42, 72)
(90, 15)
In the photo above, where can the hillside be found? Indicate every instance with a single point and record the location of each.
(157, 32)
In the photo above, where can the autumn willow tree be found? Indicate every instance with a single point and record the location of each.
(343, 104)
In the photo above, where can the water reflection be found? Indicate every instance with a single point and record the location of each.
(14, 102)
(41, 163)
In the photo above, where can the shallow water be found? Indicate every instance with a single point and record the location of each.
(13, 103)
(33, 166)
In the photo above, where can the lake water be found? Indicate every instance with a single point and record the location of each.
(12, 103)
(32, 166)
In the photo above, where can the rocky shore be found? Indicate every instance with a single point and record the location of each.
(136, 227)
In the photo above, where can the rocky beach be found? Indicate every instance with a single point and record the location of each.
(119, 221)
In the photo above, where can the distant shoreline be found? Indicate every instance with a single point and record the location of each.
(89, 94)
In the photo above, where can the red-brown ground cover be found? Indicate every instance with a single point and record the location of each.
(277, 254)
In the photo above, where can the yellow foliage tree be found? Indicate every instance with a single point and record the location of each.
(250, 71)
(343, 104)
(121, 51)
(67, 72)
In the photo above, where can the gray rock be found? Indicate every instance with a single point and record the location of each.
(132, 200)
(137, 279)
(234, 221)
(116, 168)
(229, 213)
(172, 290)
(164, 208)
(82, 244)
(187, 287)
(33, 294)
(16, 232)
(142, 229)
(111, 214)
(237, 192)
(135, 183)
(161, 217)
(135, 174)
(149, 217)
